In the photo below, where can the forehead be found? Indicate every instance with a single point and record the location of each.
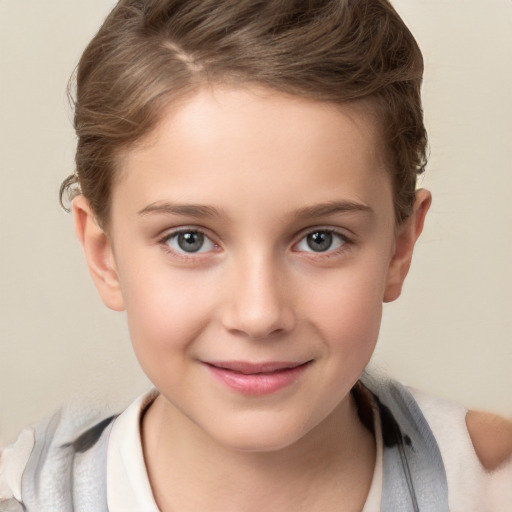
(257, 145)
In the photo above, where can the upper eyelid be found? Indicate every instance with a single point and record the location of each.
(337, 231)
(215, 239)
(170, 232)
(185, 256)
(347, 242)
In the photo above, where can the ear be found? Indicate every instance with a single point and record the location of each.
(98, 254)
(406, 236)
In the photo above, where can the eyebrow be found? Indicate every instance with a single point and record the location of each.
(332, 207)
(189, 210)
(204, 211)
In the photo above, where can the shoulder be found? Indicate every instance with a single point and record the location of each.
(485, 435)
(491, 436)
(48, 449)
(476, 449)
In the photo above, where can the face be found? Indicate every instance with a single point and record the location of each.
(252, 243)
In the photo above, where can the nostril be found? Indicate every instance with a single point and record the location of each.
(256, 303)
(258, 328)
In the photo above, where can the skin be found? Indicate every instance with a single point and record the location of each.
(492, 438)
(266, 170)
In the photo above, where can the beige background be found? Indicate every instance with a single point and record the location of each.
(450, 333)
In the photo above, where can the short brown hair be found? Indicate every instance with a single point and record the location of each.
(150, 52)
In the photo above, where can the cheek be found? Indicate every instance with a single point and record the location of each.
(166, 311)
(353, 318)
(347, 309)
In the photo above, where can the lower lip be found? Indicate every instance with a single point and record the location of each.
(258, 384)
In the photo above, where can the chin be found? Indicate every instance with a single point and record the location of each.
(271, 437)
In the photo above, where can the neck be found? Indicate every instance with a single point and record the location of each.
(189, 471)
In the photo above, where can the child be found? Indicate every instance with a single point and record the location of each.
(246, 191)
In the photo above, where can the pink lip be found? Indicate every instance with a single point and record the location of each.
(256, 378)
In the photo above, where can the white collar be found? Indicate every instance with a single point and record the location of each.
(373, 501)
(128, 487)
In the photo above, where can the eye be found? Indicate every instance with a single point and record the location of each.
(322, 240)
(189, 241)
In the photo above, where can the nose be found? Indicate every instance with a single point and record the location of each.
(258, 304)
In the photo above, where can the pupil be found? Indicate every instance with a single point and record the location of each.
(191, 241)
(319, 241)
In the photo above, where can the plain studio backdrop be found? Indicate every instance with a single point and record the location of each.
(449, 334)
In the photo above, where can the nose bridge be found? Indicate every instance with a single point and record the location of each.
(258, 304)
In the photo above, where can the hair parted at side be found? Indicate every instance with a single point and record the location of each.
(149, 53)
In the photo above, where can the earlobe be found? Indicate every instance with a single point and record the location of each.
(406, 237)
(98, 254)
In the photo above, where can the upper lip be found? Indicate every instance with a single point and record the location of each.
(251, 368)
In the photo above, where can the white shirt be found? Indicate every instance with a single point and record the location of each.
(128, 487)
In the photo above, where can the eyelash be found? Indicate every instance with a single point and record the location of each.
(345, 245)
(164, 242)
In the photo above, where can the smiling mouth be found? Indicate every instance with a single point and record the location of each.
(257, 379)
(247, 368)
